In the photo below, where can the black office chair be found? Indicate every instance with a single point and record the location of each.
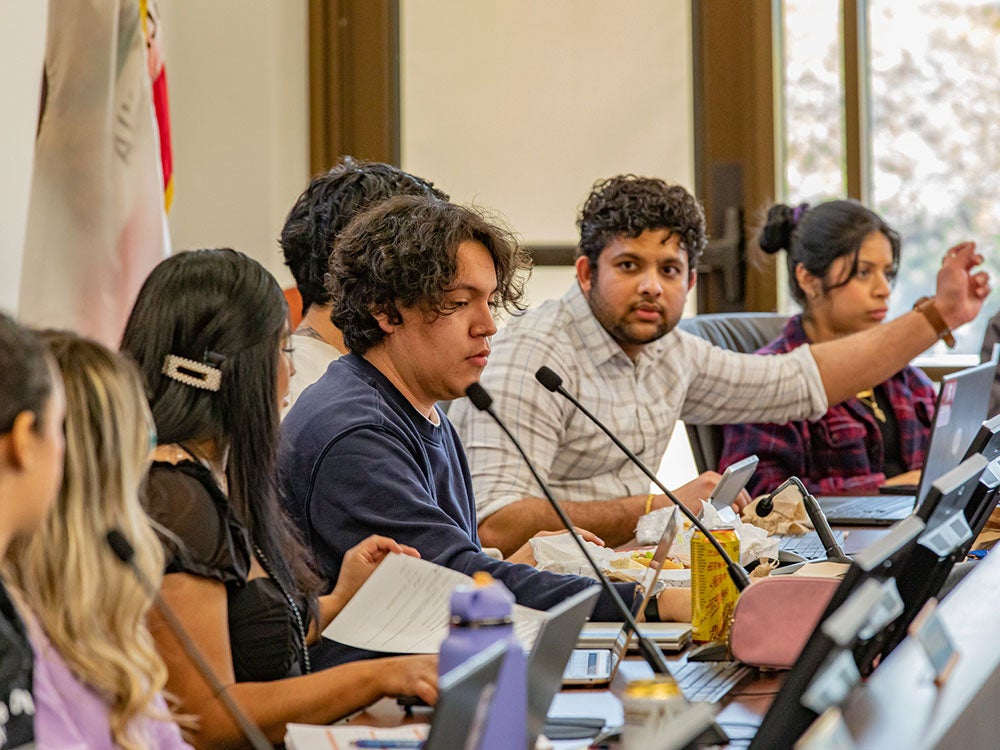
(739, 332)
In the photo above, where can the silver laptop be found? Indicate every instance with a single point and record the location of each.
(553, 646)
(734, 479)
(598, 666)
(961, 407)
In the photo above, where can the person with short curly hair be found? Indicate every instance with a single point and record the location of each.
(414, 283)
(411, 263)
(613, 339)
(325, 207)
(626, 206)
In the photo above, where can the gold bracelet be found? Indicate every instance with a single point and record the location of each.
(649, 503)
(926, 307)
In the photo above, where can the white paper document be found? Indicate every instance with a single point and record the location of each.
(404, 608)
(343, 736)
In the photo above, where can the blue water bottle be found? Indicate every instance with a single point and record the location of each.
(481, 616)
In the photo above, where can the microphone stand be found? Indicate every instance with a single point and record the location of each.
(124, 551)
(834, 552)
(649, 650)
(551, 381)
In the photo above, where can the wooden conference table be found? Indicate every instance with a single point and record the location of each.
(897, 707)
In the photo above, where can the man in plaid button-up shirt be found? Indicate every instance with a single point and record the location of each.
(613, 340)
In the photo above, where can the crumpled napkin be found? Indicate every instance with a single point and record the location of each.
(754, 542)
(788, 517)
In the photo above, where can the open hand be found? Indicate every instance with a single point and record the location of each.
(526, 556)
(361, 561)
(960, 292)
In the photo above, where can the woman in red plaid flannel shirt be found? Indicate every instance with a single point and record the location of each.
(842, 262)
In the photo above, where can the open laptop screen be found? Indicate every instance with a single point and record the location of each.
(953, 499)
(961, 407)
(788, 717)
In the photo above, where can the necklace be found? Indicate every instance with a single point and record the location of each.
(296, 615)
(868, 399)
(309, 332)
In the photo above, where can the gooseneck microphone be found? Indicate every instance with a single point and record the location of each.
(649, 650)
(552, 382)
(126, 553)
(834, 552)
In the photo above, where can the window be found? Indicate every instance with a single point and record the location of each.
(926, 108)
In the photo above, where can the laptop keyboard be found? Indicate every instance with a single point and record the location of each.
(585, 662)
(863, 507)
(808, 545)
(708, 681)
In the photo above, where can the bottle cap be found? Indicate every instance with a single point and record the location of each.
(487, 600)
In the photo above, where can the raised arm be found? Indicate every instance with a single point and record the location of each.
(863, 360)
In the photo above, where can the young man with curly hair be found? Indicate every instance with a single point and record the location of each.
(613, 340)
(413, 284)
(324, 209)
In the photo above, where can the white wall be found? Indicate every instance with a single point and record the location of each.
(520, 106)
(238, 82)
(22, 54)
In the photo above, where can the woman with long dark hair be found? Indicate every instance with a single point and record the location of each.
(210, 335)
(842, 263)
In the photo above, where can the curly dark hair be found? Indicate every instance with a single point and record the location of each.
(628, 205)
(327, 206)
(816, 236)
(403, 252)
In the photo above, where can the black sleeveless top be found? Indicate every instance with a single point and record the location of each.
(202, 536)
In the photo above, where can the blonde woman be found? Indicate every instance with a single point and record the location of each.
(97, 673)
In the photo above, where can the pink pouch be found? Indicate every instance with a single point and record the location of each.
(774, 618)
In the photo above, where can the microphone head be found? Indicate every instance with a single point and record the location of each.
(120, 545)
(548, 378)
(479, 397)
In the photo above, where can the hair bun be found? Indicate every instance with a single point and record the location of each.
(781, 222)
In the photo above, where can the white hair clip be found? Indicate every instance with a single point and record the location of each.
(194, 374)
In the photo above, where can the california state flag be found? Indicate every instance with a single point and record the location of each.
(96, 225)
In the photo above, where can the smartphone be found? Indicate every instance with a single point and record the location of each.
(734, 479)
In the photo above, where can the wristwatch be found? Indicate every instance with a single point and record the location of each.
(926, 307)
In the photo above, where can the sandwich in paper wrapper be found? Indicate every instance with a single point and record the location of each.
(559, 554)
